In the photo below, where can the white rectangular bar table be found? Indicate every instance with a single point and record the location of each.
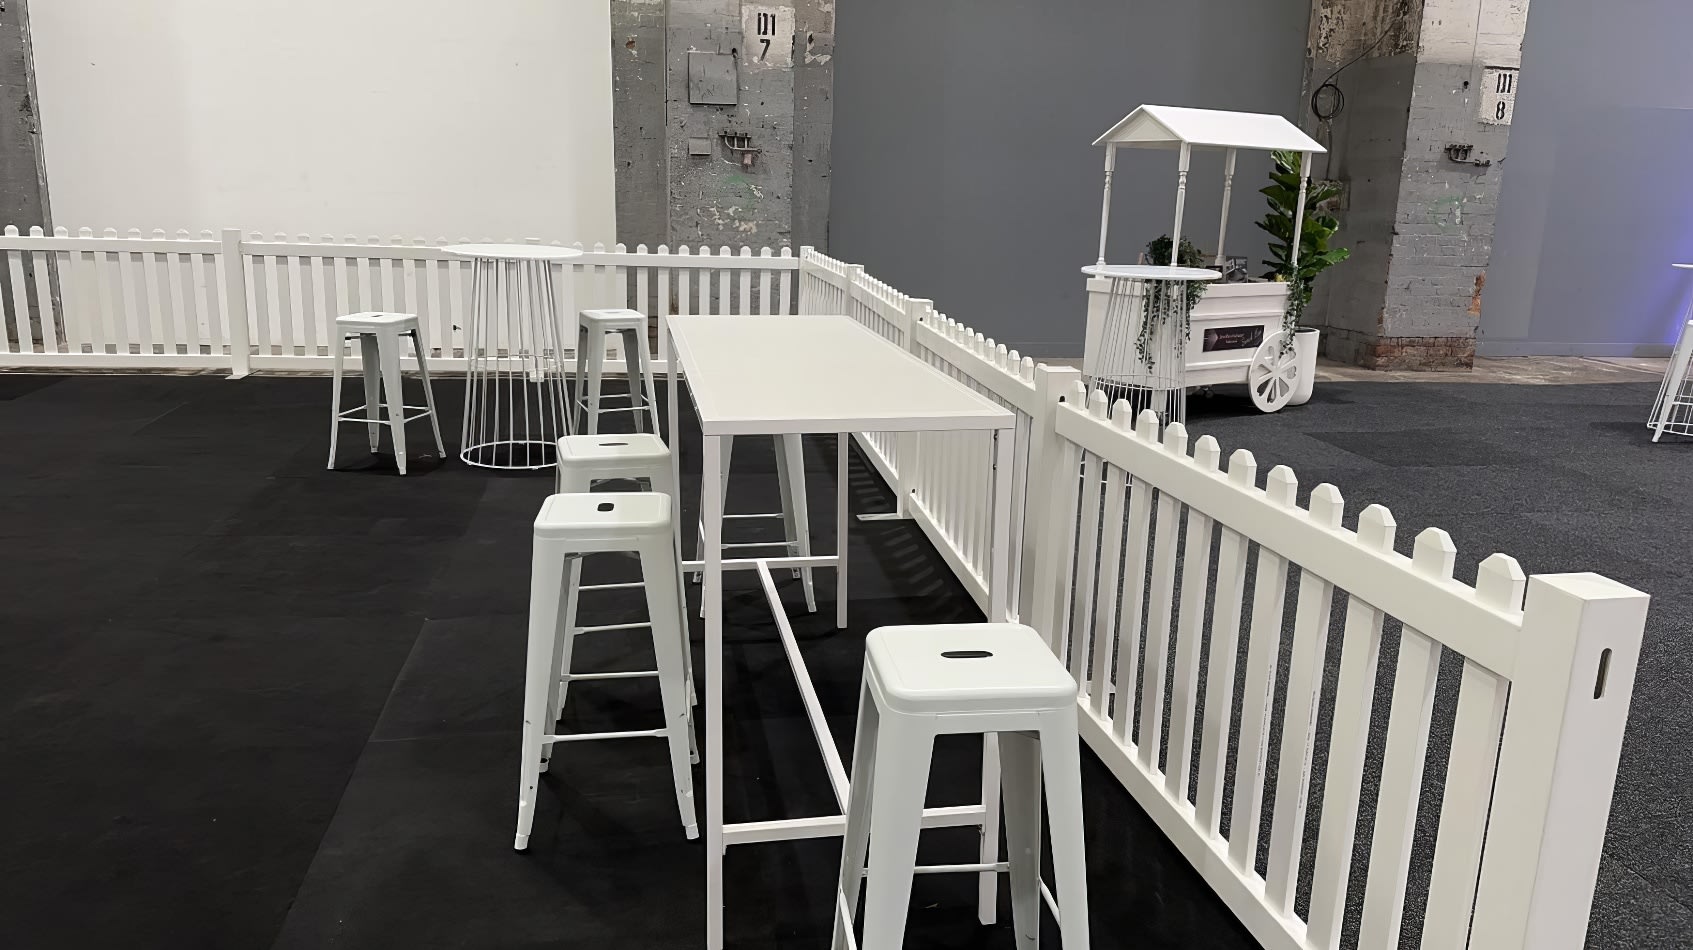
(780, 375)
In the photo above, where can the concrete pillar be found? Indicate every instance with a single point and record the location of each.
(23, 172)
(679, 179)
(1420, 166)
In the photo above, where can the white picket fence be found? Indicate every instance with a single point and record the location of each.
(244, 302)
(1164, 581)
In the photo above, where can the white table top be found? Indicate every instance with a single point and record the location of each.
(514, 252)
(1150, 272)
(773, 375)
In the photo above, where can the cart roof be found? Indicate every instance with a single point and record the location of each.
(1170, 126)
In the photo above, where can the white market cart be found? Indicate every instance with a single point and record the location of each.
(1235, 330)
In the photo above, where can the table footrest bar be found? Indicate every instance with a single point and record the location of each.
(751, 563)
(604, 627)
(807, 693)
(834, 826)
(619, 675)
(589, 736)
(767, 514)
(845, 912)
(625, 585)
(1051, 903)
(741, 545)
(1001, 867)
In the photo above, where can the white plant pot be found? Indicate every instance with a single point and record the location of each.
(1305, 348)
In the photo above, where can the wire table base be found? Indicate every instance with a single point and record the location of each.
(516, 398)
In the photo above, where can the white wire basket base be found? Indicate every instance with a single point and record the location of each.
(511, 454)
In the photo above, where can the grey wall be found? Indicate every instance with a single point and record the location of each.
(1597, 199)
(962, 165)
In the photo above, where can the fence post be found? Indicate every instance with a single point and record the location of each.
(1570, 691)
(1052, 385)
(234, 267)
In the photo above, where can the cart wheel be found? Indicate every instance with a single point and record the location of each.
(1273, 375)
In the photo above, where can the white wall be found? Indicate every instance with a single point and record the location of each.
(420, 118)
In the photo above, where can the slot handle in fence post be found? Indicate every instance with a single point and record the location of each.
(232, 264)
(1557, 762)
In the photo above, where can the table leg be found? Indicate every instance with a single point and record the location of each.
(843, 441)
(999, 589)
(711, 498)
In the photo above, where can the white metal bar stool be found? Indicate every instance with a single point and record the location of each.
(591, 332)
(379, 341)
(583, 461)
(924, 681)
(1673, 411)
(795, 513)
(568, 527)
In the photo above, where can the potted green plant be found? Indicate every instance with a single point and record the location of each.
(1315, 254)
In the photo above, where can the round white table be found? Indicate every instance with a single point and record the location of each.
(516, 404)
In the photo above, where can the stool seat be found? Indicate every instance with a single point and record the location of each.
(604, 515)
(377, 320)
(616, 450)
(611, 319)
(980, 667)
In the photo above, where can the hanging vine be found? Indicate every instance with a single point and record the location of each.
(1167, 300)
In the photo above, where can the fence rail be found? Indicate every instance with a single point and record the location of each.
(1174, 588)
(242, 302)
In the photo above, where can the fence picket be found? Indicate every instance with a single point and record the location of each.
(1156, 657)
(20, 298)
(1232, 549)
(114, 325)
(1269, 588)
(1190, 618)
(217, 331)
(49, 303)
(1110, 576)
(1082, 611)
(262, 308)
(313, 323)
(764, 284)
(155, 283)
(1470, 768)
(784, 287)
(283, 288)
(133, 273)
(1134, 581)
(1402, 761)
(1299, 721)
(1354, 695)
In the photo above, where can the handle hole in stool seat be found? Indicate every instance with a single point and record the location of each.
(607, 445)
(604, 506)
(966, 654)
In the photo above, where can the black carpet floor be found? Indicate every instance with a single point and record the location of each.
(247, 702)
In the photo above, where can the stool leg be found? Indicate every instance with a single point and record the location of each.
(663, 609)
(664, 482)
(596, 373)
(389, 347)
(796, 516)
(338, 346)
(1061, 767)
(647, 380)
(581, 378)
(567, 637)
(1020, 757)
(428, 393)
(857, 837)
(370, 358)
(632, 374)
(546, 576)
(903, 747)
